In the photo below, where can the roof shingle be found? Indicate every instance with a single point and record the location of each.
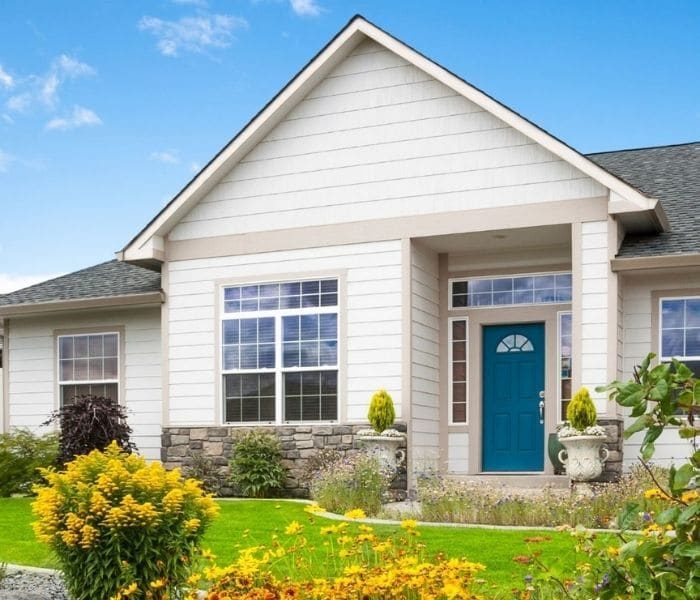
(112, 278)
(672, 175)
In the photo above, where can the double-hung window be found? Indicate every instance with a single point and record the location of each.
(88, 365)
(279, 352)
(680, 331)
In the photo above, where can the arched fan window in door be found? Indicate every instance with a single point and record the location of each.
(515, 343)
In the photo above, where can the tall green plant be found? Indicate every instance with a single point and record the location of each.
(381, 413)
(581, 412)
(256, 464)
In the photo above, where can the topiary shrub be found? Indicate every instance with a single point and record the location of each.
(381, 413)
(91, 423)
(581, 412)
(256, 464)
(121, 527)
(22, 454)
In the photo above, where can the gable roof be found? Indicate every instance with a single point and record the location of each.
(148, 245)
(671, 174)
(101, 284)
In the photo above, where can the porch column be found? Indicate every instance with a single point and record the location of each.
(595, 304)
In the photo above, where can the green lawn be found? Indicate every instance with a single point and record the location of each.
(249, 522)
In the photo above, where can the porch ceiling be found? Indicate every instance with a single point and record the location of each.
(498, 240)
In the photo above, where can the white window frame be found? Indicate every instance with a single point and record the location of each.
(454, 280)
(89, 381)
(659, 333)
(450, 378)
(279, 370)
(561, 418)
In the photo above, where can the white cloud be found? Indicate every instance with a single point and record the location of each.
(6, 80)
(193, 34)
(166, 156)
(306, 8)
(10, 283)
(5, 160)
(43, 89)
(195, 167)
(80, 117)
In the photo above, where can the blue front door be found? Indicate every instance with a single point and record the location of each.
(513, 377)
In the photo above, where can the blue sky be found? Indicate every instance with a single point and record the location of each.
(108, 108)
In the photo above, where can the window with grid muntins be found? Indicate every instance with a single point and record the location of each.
(88, 365)
(547, 288)
(680, 331)
(279, 352)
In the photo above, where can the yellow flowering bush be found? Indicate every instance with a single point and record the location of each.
(365, 565)
(122, 527)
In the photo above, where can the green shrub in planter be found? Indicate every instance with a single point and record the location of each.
(381, 413)
(581, 412)
(256, 464)
(22, 454)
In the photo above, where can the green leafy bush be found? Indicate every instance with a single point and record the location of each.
(91, 423)
(201, 467)
(381, 413)
(22, 454)
(256, 464)
(354, 481)
(581, 412)
(321, 460)
(664, 561)
(122, 528)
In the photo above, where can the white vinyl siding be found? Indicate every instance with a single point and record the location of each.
(369, 322)
(458, 452)
(425, 352)
(595, 268)
(637, 338)
(382, 139)
(33, 383)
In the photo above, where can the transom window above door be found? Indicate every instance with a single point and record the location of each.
(279, 352)
(547, 288)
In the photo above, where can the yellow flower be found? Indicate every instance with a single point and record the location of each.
(409, 524)
(192, 524)
(208, 554)
(158, 583)
(194, 579)
(314, 508)
(294, 528)
(654, 493)
(355, 513)
(613, 551)
(690, 496)
(129, 590)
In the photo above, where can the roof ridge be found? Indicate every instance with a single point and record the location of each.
(642, 148)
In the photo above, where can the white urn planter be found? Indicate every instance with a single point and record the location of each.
(583, 456)
(385, 448)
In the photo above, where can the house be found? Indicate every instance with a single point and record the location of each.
(381, 223)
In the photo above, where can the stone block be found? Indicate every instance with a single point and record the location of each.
(302, 436)
(342, 429)
(290, 445)
(213, 448)
(308, 453)
(218, 432)
(219, 461)
(302, 444)
(346, 439)
(334, 440)
(322, 430)
(303, 429)
(320, 442)
(176, 440)
(196, 445)
(174, 451)
(199, 433)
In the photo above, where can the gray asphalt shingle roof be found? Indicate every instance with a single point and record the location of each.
(669, 173)
(112, 278)
(672, 175)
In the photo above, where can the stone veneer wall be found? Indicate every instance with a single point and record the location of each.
(299, 443)
(612, 470)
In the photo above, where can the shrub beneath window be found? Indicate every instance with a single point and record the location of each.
(323, 459)
(91, 423)
(256, 464)
(355, 481)
(202, 468)
(22, 454)
(121, 527)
